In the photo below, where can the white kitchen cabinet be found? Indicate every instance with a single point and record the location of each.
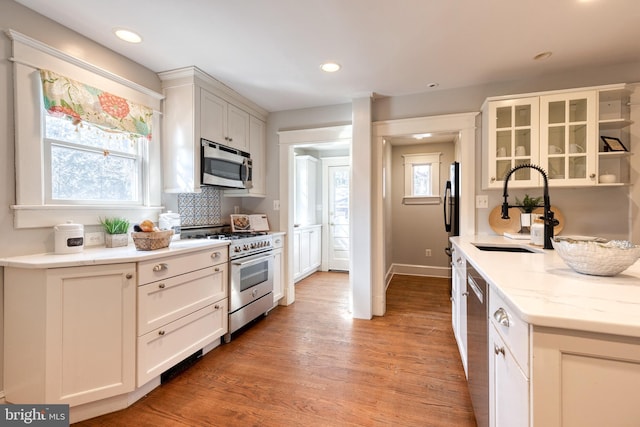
(508, 386)
(69, 333)
(305, 193)
(459, 302)
(568, 133)
(511, 139)
(278, 268)
(182, 307)
(223, 122)
(559, 131)
(198, 106)
(258, 150)
(508, 365)
(584, 379)
(307, 251)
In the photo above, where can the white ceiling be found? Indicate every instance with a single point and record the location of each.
(270, 50)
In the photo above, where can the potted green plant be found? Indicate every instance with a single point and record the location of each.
(527, 205)
(116, 232)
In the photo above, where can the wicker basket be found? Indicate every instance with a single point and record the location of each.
(152, 240)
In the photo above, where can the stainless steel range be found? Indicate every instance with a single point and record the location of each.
(250, 274)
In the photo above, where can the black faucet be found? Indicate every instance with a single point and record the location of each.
(548, 219)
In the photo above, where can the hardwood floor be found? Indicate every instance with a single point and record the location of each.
(311, 364)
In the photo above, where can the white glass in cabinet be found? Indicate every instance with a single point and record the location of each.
(512, 140)
(567, 137)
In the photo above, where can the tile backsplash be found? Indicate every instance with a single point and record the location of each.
(203, 208)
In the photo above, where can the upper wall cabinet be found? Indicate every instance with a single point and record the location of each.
(561, 132)
(198, 106)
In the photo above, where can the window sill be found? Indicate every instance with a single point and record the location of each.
(36, 216)
(421, 200)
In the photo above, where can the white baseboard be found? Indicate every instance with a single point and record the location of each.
(419, 270)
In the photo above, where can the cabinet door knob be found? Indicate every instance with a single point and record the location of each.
(160, 332)
(161, 285)
(215, 255)
(217, 307)
(129, 276)
(465, 294)
(501, 317)
(216, 269)
(493, 179)
(160, 267)
(592, 176)
(498, 350)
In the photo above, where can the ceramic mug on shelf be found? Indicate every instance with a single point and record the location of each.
(521, 150)
(501, 152)
(575, 148)
(554, 149)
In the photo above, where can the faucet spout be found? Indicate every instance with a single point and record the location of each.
(548, 216)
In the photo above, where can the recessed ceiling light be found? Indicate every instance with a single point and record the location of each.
(330, 67)
(127, 35)
(542, 56)
(422, 135)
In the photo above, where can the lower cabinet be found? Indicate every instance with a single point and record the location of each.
(69, 333)
(278, 268)
(584, 379)
(508, 386)
(182, 307)
(307, 246)
(459, 303)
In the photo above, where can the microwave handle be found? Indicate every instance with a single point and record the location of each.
(245, 174)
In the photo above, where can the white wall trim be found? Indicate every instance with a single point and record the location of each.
(465, 152)
(421, 270)
(287, 141)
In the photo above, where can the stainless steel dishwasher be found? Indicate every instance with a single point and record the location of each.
(477, 345)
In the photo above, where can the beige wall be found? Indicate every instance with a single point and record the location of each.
(415, 228)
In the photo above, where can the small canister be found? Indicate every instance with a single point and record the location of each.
(537, 233)
(69, 238)
(170, 221)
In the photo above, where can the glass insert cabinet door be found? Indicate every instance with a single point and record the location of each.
(568, 137)
(512, 140)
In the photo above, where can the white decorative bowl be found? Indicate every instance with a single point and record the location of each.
(607, 179)
(596, 256)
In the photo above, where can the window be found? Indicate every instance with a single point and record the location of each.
(421, 179)
(66, 175)
(87, 165)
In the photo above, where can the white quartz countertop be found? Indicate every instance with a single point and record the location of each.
(102, 255)
(546, 292)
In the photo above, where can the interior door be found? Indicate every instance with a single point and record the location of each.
(338, 205)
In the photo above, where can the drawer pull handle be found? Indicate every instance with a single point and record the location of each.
(216, 269)
(498, 350)
(215, 255)
(160, 332)
(161, 285)
(502, 317)
(160, 267)
(217, 307)
(129, 276)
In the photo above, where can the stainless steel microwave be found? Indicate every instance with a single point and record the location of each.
(224, 166)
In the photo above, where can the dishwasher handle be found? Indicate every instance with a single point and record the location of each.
(475, 288)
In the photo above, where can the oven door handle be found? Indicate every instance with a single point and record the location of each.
(252, 260)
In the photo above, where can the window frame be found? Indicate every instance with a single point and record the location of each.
(411, 160)
(31, 209)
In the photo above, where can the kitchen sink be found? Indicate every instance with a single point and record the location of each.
(497, 248)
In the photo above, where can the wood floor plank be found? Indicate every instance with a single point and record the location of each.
(311, 364)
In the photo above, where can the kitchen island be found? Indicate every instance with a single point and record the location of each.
(564, 348)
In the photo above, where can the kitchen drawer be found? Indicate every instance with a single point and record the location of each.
(164, 347)
(162, 268)
(164, 301)
(513, 331)
(278, 241)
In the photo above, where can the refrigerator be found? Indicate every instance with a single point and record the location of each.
(452, 204)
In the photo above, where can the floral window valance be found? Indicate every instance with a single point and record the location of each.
(64, 97)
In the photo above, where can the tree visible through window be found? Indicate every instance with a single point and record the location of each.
(421, 180)
(88, 164)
